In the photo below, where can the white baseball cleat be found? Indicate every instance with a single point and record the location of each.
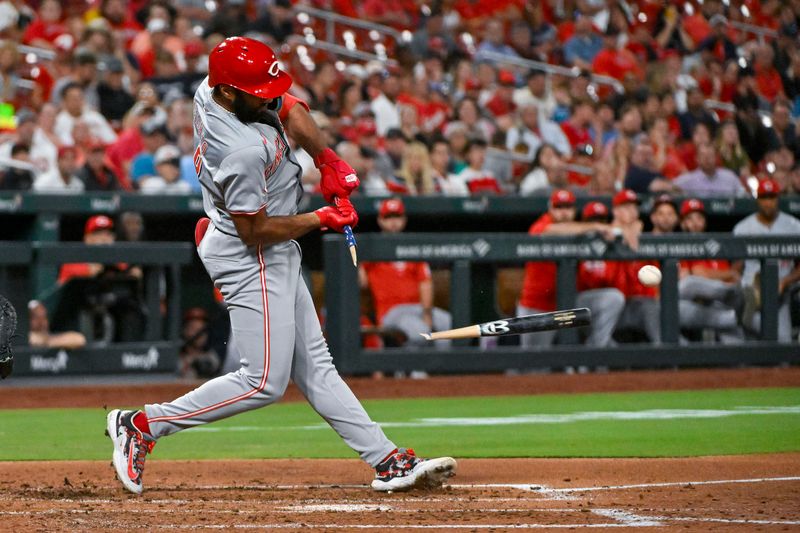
(131, 447)
(402, 470)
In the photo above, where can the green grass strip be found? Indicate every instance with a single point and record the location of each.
(645, 424)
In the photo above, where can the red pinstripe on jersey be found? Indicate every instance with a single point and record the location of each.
(263, 383)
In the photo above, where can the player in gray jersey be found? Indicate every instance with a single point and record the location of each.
(251, 188)
(768, 220)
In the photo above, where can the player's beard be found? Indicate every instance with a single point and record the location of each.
(246, 113)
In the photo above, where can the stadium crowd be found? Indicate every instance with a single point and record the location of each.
(702, 106)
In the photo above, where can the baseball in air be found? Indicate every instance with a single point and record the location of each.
(649, 276)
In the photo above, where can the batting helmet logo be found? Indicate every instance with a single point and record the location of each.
(247, 65)
(274, 69)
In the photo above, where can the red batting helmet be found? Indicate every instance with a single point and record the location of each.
(248, 65)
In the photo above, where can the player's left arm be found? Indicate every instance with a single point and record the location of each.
(339, 179)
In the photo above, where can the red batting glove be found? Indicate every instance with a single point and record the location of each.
(338, 178)
(337, 217)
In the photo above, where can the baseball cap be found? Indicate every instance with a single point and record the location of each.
(768, 187)
(392, 206)
(562, 198)
(662, 199)
(97, 223)
(691, 205)
(472, 84)
(193, 49)
(594, 210)
(167, 154)
(366, 126)
(65, 149)
(506, 77)
(625, 196)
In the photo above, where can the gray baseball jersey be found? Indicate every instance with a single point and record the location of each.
(784, 224)
(244, 168)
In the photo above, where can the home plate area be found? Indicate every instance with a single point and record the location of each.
(742, 493)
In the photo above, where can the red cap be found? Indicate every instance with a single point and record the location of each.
(472, 84)
(193, 49)
(768, 187)
(392, 206)
(366, 126)
(65, 149)
(506, 77)
(98, 222)
(594, 210)
(562, 198)
(691, 205)
(625, 196)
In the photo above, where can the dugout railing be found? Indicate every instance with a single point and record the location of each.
(157, 351)
(471, 259)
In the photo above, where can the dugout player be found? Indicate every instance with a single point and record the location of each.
(402, 291)
(539, 285)
(709, 289)
(642, 307)
(769, 220)
(251, 188)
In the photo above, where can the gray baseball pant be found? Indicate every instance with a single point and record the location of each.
(278, 336)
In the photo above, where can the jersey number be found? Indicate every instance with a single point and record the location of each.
(198, 161)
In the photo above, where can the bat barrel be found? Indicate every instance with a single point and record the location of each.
(569, 318)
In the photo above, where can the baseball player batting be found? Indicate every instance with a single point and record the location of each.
(251, 188)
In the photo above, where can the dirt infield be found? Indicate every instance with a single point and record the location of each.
(743, 493)
(738, 493)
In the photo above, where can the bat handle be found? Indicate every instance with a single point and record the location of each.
(350, 239)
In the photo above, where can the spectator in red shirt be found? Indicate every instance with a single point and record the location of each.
(120, 19)
(576, 127)
(701, 135)
(501, 103)
(47, 27)
(768, 79)
(709, 289)
(402, 291)
(614, 61)
(539, 285)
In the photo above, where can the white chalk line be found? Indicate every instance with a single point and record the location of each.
(624, 519)
(548, 490)
(541, 418)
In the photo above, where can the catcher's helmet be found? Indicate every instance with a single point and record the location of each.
(248, 65)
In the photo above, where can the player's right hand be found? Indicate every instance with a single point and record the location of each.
(338, 216)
